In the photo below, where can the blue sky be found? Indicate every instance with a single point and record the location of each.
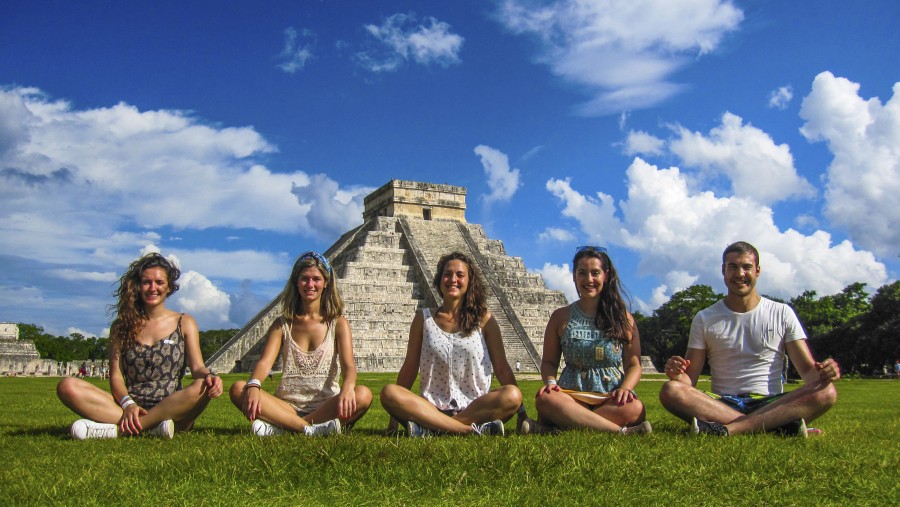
(234, 136)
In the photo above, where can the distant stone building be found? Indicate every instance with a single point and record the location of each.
(20, 357)
(385, 268)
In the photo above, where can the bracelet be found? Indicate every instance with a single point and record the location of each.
(550, 382)
(125, 401)
(253, 383)
(128, 404)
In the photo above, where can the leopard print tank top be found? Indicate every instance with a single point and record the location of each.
(154, 372)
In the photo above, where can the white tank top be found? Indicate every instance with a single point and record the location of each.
(454, 370)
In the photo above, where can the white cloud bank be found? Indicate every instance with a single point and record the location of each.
(862, 193)
(107, 170)
(621, 53)
(680, 234)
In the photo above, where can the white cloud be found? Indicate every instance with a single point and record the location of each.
(641, 143)
(502, 180)
(756, 167)
(679, 235)
(90, 276)
(862, 193)
(204, 301)
(780, 98)
(56, 158)
(296, 53)
(599, 212)
(622, 53)
(559, 278)
(555, 234)
(333, 211)
(400, 38)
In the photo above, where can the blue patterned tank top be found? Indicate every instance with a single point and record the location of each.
(593, 362)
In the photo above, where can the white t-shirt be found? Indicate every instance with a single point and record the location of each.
(746, 350)
(454, 370)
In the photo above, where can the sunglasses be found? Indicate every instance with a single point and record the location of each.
(589, 248)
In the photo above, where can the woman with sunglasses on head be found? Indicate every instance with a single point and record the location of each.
(599, 340)
(149, 347)
(313, 338)
(454, 349)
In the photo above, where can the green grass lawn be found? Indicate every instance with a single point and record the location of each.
(857, 462)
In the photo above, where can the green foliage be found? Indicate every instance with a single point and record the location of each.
(212, 340)
(74, 347)
(666, 332)
(221, 463)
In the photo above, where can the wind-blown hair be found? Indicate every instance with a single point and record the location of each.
(612, 312)
(474, 302)
(741, 247)
(332, 305)
(129, 310)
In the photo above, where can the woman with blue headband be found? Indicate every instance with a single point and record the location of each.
(313, 338)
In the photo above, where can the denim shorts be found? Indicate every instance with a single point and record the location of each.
(745, 403)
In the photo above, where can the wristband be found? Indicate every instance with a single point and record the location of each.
(253, 383)
(125, 401)
(128, 403)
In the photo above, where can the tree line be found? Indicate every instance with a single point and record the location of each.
(861, 333)
(77, 347)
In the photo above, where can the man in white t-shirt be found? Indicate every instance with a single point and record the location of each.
(745, 337)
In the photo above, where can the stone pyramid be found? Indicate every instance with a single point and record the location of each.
(384, 270)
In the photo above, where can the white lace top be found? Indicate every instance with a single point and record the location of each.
(308, 378)
(454, 370)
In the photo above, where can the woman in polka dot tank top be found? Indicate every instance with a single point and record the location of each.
(454, 350)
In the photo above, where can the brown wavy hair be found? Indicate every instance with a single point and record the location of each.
(332, 304)
(129, 310)
(474, 302)
(612, 313)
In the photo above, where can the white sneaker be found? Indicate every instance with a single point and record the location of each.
(84, 429)
(332, 427)
(165, 429)
(264, 429)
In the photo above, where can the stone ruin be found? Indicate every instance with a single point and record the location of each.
(20, 357)
(385, 267)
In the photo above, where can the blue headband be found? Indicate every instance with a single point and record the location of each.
(321, 259)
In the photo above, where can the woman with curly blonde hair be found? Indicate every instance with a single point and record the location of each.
(149, 348)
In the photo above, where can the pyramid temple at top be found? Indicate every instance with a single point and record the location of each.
(385, 268)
